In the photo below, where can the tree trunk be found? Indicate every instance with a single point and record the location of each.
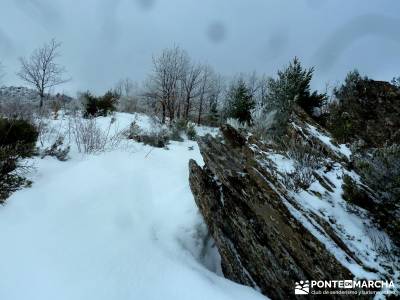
(171, 114)
(178, 113)
(163, 112)
(41, 101)
(187, 108)
(200, 111)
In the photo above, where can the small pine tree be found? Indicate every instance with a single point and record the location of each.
(213, 115)
(108, 103)
(349, 88)
(240, 102)
(292, 86)
(191, 132)
(345, 111)
(91, 108)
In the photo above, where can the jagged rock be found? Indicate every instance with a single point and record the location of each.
(260, 241)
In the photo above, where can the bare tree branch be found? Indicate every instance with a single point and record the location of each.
(41, 71)
(163, 86)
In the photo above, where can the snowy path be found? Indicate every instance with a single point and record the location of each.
(110, 226)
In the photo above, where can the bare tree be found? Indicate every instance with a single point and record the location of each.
(163, 86)
(191, 81)
(41, 71)
(129, 93)
(216, 91)
(126, 87)
(205, 88)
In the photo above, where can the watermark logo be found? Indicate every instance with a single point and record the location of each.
(302, 288)
(344, 287)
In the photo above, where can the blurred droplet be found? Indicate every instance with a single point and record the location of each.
(346, 35)
(216, 32)
(276, 44)
(146, 4)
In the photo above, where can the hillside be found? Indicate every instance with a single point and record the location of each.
(10, 94)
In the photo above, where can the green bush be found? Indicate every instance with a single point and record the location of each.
(10, 178)
(18, 134)
(158, 139)
(177, 130)
(353, 193)
(100, 106)
(292, 86)
(191, 132)
(240, 102)
(213, 118)
(181, 124)
(180, 127)
(134, 130)
(362, 108)
(17, 140)
(175, 135)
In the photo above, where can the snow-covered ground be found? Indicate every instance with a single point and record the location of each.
(121, 224)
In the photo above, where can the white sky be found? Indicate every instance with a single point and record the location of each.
(106, 40)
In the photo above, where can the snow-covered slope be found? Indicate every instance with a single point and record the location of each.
(364, 249)
(116, 225)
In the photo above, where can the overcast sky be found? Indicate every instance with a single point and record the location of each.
(106, 40)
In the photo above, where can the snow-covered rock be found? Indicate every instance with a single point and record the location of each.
(271, 235)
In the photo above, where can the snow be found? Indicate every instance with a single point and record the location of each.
(342, 149)
(350, 227)
(350, 223)
(283, 164)
(121, 224)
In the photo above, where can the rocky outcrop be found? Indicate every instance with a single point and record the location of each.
(254, 223)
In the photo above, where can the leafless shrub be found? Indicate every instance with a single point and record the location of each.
(43, 129)
(382, 245)
(48, 132)
(134, 130)
(114, 135)
(307, 158)
(87, 135)
(90, 138)
(304, 154)
(302, 177)
(263, 121)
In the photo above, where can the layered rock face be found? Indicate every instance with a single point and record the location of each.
(252, 220)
